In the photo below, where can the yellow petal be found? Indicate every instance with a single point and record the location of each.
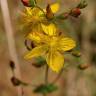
(49, 29)
(29, 10)
(55, 60)
(55, 7)
(35, 52)
(35, 13)
(34, 36)
(66, 44)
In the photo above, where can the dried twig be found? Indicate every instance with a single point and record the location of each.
(10, 39)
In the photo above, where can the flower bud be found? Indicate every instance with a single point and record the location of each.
(26, 3)
(76, 53)
(15, 81)
(75, 12)
(49, 13)
(29, 3)
(84, 66)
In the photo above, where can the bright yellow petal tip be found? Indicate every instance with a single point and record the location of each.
(49, 29)
(66, 44)
(28, 10)
(34, 36)
(55, 60)
(35, 52)
(55, 7)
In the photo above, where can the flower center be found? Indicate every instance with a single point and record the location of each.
(53, 42)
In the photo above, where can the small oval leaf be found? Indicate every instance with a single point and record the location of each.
(44, 89)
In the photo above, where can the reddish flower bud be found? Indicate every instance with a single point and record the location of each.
(49, 13)
(84, 66)
(25, 3)
(75, 12)
(15, 81)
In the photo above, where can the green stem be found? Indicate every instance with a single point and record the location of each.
(46, 77)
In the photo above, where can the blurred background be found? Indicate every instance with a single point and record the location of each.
(75, 81)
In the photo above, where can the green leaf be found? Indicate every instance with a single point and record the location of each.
(40, 61)
(82, 4)
(45, 89)
(52, 87)
(32, 3)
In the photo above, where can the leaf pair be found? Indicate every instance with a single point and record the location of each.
(45, 89)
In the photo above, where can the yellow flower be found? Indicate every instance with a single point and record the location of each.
(37, 14)
(36, 17)
(51, 47)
